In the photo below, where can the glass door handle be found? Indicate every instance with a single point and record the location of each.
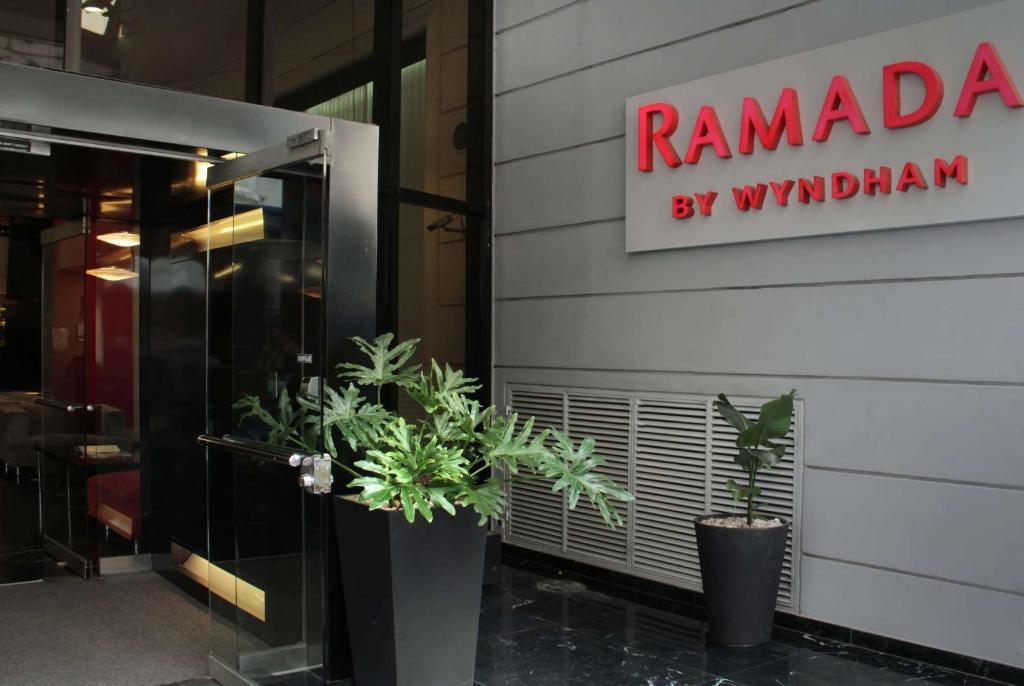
(67, 407)
(314, 470)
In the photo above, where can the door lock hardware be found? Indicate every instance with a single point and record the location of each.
(314, 472)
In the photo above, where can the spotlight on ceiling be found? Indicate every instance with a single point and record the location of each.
(122, 239)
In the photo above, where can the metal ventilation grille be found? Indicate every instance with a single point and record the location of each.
(675, 454)
(670, 486)
(776, 485)
(536, 515)
(606, 419)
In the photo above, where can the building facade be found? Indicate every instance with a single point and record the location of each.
(901, 343)
(609, 212)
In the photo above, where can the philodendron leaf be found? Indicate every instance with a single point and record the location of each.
(386, 363)
(575, 470)
(442, 458)
(407, 506)
(438, 497)
(487, 499)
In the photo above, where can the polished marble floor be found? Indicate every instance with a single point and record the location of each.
(535, 633)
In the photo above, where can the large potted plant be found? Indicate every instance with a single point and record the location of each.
(411, 535)
(741, 555)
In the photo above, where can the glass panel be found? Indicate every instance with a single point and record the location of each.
(432, 287)
(63, 417)
(322, 57)
(434, 134)
(190, 45)
(265, 271)
(113, 475)
(32, 33)
(89, 458)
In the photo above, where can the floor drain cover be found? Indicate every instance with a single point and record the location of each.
(559, 586)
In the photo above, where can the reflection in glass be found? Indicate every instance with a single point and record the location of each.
(323, 48)
(434, 98)
(30, 33)
(89, 467)
(432, 287)
(190, 45)
(266, 272)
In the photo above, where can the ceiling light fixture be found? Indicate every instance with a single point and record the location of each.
(111, 273)
(95, 6)
(122, 239)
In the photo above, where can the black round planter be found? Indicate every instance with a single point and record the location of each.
(412, 594)
(740, 569)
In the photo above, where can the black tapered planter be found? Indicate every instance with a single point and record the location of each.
(412, 594)
(740, 570)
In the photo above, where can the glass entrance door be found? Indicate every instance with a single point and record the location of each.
(62, 408)
(264, 247)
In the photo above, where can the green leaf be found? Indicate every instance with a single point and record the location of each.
(387, 364)
(422, 505)
(442, 389)
(407, 506)
(730, 414)
(761, 457)
(438, 497)
(487, 499)
(446, 460)
(575, 470)
(772, 423)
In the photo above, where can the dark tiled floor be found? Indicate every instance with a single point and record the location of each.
(21, 557)
(535, 637)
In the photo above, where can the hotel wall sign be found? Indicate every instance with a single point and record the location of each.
(917, 126)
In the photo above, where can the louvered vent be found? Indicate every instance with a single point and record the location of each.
(606, 419)
(670, 487)
(676, 455)
(536, 515)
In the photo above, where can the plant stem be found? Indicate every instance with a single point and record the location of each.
(346, 468)
(518, 477)
(750, 496)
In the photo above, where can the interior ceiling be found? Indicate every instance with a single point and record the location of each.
(48, 189)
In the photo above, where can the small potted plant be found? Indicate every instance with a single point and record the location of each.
(411, 536)
(741, 556)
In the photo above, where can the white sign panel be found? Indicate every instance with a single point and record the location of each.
(917, 126)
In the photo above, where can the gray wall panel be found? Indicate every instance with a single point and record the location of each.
(963, 330)
(588, 105)
(591, 258)
(925, 527)
(566, 40)
(509, 13)
(582, 184)
(864, 426)
(964, 619)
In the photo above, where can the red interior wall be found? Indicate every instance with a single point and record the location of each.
(111, 323)
(65, 295)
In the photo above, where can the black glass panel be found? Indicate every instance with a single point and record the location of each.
(32, 33)
(266, 276)
(190, 45)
